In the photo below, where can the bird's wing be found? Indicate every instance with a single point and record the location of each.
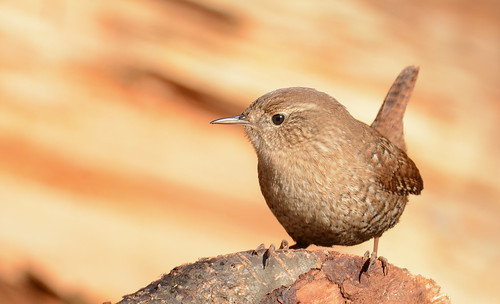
(395, 171)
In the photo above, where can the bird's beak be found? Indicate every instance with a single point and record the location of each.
(234, 120)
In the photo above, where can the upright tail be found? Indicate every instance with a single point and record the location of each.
(389, 120)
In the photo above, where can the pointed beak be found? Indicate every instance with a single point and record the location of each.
(235, 120)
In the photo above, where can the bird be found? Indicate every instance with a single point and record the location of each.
(328, 178)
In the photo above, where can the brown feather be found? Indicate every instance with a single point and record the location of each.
(389, 120)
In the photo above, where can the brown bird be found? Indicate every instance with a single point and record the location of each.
(328, 178)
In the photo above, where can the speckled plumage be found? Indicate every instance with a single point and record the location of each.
(328, 178)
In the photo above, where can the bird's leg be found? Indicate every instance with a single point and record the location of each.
(373, 258)
(385, 264)
(375, 249)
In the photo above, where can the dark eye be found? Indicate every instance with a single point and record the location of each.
(278, 119)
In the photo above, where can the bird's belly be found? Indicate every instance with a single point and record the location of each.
(344, 218)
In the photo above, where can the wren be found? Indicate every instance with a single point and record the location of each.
(329, 178)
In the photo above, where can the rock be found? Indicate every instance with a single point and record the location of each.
(287, 276)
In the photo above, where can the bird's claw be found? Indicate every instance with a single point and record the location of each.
(370, 260)
(269, 253)
(385, 265)
(259, 249)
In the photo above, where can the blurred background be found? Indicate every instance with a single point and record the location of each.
(110, 174)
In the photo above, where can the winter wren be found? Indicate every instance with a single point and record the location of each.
(328, 178)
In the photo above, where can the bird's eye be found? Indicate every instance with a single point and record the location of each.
(278, 119)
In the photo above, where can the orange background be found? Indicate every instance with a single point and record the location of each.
(111, 175)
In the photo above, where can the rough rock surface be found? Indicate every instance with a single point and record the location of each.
(287, 276)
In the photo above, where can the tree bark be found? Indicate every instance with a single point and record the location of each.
(288, 276)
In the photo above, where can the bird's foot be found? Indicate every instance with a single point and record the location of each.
(370, 260)
(385, 265)
(268, 253)
(262, 247)
(259, 249)
(271, 251)
(284, 244)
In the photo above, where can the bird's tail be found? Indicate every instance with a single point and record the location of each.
(389, 120)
